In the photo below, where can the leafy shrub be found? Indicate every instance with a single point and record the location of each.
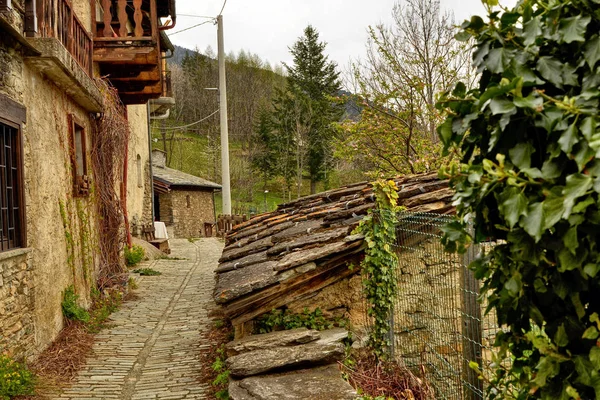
(147, 272)
(134, 255)
(284, 320)
(222, 379)
(529, 137)
(71, 309)
(15, 379)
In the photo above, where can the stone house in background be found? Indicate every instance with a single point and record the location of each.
(52, 53)
(182, 201)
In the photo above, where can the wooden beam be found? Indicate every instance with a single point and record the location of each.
(144, 76)
(127, 55)
(12, 111)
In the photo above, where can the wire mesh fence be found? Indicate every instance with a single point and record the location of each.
(438, 325)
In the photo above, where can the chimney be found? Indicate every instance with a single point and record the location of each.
(159, 158)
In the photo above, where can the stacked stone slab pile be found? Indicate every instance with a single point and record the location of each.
(292, 254)
(296, 364)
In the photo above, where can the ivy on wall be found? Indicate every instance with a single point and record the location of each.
(529, 139)
(380, 263)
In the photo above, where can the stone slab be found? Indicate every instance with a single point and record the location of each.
(323, 383)
(274, 339)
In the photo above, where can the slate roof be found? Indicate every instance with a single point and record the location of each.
(305, 245)
(173, 177)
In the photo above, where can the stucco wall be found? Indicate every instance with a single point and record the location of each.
(61, 230)
(187, 219)
(139, 189)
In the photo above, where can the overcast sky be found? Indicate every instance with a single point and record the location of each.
(269, 27)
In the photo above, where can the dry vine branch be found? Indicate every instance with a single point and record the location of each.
(108, 155)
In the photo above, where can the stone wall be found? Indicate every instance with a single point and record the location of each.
(191, 209)
(61, 230)
(17, 331)
(139, 184)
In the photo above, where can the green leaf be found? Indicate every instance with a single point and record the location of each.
(551, 169)
(551, 70)
(579, 309)
(577, 186)
(568, 138)
(570, 240)
(591, 333)
(512, 204)
(497, 60)
(554, 208)
(532, 29)
(573, 29)
(592, 51)
(445, 132)
(595, 356)
(588, 127)
(561, 338)
(520, 155)
(513, 285)
(531, 101)
(591, 270)
(533, 221)
(501, 106)
(546, 368)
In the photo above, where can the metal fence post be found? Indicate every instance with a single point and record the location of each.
(472, 328)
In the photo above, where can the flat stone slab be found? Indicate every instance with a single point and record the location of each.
(323, 383)
(277, 358)
(291, 337)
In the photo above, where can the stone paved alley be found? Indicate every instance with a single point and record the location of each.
(152, 349)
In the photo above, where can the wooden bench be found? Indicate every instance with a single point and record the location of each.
(161, 244)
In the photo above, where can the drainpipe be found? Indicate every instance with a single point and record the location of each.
(150, 161)
(124, 187)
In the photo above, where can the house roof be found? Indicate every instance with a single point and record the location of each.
(168, 177)
(305, 245)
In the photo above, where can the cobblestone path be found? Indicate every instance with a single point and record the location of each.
(152, 349)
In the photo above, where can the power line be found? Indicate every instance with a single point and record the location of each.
(191, 27)
(195, 16)
(175, 128)
(222, 8)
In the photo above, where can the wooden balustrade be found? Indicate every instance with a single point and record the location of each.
(126, 19)
(58, 20)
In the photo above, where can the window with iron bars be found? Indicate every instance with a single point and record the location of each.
(11, 188)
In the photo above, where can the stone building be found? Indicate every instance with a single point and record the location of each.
(182, 201)
(52, 55)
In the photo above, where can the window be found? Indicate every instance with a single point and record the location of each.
(81, 184)
(11, 186)
(138, 162)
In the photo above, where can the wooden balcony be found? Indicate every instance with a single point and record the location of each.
(127, 46)
(56, 19)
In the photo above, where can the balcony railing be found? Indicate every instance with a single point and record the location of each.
(126, 22)
(58, 20)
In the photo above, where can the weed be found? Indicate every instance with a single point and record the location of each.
(134, 255)
(219, 323)
(71, 309)
(284, 320)
(15, 379)
(102, 309)
(222, 379)
(132, 283)
(147, 272)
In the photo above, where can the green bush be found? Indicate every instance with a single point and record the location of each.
(71, 309)
(15, 379)
(134, 255)
(529, 177)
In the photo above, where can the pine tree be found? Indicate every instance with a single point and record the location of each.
(314, 77)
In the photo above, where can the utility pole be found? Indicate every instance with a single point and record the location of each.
(224, 128)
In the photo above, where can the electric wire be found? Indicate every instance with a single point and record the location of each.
(195, 16)
(175, 128)
(222, 8)
(191, 27)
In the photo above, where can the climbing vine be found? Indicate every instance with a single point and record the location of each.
(380, 262)
(529, 139)
(111, 132)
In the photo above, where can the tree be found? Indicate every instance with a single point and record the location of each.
(407, 66)
(314, 80)
(529, 177)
